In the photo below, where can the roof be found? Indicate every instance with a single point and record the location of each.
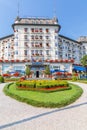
(36, 21)
(7, 37)
(33, 20)
(69, 39)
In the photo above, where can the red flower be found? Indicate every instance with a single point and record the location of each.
(6, 75)
(17, 60)
(12, 60)
(66, 61)
(1, 60)
(59, 73)
(61, 60)
(16, 74)
(72, 60)
(6, 60)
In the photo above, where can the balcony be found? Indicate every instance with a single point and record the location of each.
(37, 55)
(37, 46)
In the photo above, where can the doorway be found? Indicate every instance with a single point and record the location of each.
(37, 74)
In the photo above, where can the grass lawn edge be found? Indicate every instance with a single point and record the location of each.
(42, 104)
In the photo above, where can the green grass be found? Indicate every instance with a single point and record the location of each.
(39, 99)
(82, 81)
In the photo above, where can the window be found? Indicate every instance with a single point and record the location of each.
(32, 30)
(32, 51)
(36, 51)
(25, 52)
(56, 52)
(9, 54)
(25, 37)
(16, 43)
(55, 37)
(41, 52)
(25, 29)
(40, 29)
(16, 52)
(16, 36)
(26, 44)
(32, 37)
(40, 37)
(36, 37)
(56, 44)
(47, 52)
(47, 44)
(47, 30)
(9, 46)
(36, 29)
(56, 30)
(40, 44)
(47, 37)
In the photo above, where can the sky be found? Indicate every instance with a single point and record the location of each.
(71, 14)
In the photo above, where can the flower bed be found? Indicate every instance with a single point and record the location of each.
(51, 100)
(43, 85)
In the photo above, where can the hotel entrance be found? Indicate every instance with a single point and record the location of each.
(37, 74)
(37, 70)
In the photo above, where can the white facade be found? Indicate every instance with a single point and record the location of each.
(83, 40)
(38, 40)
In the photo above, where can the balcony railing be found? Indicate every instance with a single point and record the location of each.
(37, 46)
(37, 55)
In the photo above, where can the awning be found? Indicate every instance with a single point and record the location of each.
(79, 68)
(53, 71)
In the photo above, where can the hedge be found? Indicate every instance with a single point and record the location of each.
(42, 83)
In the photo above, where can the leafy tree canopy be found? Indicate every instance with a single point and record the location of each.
(84, 60)
(27, 70)
(47, 70)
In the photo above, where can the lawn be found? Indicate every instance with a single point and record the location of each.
(81, 81)
(40, 99)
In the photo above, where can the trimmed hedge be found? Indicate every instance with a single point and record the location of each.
(11, 79)
(42, 83)
(52, 100)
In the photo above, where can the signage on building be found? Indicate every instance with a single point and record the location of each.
(37, 63)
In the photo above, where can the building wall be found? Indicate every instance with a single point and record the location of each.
(43, 43)
(70, 49)
(40, 43)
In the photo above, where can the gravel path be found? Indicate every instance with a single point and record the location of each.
(15, 115)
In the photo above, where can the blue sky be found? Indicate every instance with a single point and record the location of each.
(72, 14)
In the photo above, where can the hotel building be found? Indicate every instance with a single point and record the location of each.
(36, 42)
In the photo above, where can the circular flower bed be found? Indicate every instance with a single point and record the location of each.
(39, 99)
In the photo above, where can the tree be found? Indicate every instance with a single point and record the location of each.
(84, 60)
(27, 70)
(47, 70)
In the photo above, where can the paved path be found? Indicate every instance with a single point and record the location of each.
(15, 115)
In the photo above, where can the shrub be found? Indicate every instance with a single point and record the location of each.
(42, 83)
(74, 78)
(1, 79)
